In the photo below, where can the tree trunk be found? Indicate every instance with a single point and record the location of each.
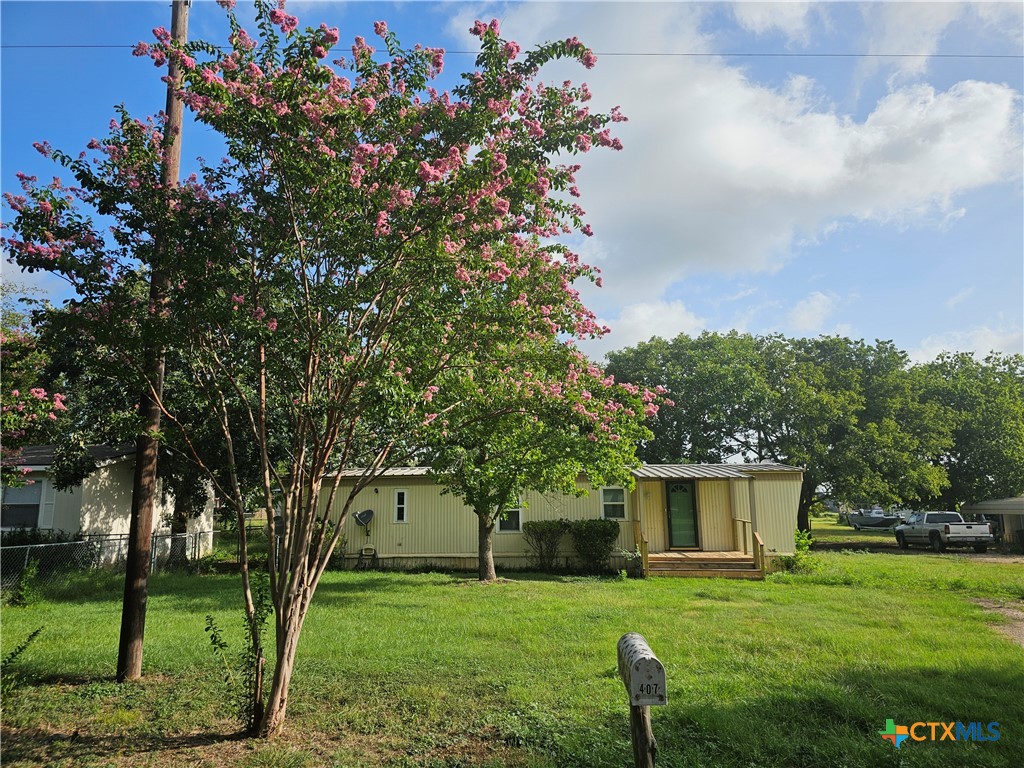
(803, 515)
(486, 545)
(277, 705)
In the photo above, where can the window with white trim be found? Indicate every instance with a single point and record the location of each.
(511, 519)
(613, 503)
(19, 507)
(401, 506)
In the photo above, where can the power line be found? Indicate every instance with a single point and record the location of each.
(680, 54)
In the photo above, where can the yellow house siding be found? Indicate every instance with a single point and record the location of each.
(776, 500)
(714, 516)
(440, 525)
(739, 496)
(654, 520)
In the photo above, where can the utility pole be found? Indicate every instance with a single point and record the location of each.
(140, 535)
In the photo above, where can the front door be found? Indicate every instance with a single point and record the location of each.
(682, 514)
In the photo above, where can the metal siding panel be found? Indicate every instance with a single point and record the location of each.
(778, 498)
(715, 516)
(654, 522)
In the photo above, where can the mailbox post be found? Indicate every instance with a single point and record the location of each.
(644, 677)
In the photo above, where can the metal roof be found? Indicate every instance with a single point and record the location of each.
(1011, 506)
(42, 455)
(647, 471)
(707, 471)
(392, 472)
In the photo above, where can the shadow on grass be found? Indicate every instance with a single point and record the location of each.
(37, 747)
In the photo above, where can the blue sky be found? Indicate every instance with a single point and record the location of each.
(794, 191)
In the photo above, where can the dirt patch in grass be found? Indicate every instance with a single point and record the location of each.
(1013, 611)
(294, 748)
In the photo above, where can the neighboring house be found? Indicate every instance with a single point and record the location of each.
(99, 507)
(685, 518)
(1009, 513)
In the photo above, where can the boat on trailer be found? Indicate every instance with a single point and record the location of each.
(876, 517)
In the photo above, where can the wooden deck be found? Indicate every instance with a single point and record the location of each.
(728, 565)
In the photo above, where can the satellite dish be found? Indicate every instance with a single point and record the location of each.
(364, 517)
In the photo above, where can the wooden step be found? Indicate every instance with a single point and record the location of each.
(715, 565)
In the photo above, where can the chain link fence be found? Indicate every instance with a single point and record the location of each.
(59, 563)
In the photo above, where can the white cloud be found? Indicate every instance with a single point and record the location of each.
(639, 322)
(959, 297)
(792, 19)
(809, 314)
(905, 28)
(723, 174)
(1008, 339)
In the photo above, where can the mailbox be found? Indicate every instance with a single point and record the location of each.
(641, 672)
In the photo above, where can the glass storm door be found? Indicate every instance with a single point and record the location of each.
(682, 515)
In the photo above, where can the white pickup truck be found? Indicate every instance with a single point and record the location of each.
(943, 529)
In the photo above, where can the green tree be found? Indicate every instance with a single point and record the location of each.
(538, 422)
(365, 238)
(853, 415)
(984, 400)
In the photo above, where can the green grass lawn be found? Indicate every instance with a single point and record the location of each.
(826, 531)
(436, 670)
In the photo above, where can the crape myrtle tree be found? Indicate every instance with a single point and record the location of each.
(537, 422)
(29, 413)
(364, 237)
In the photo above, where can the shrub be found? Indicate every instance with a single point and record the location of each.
(594, 541)
(26, 592)
(544, 538)
(26, 537)
(801, 561)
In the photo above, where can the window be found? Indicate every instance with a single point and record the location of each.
(613, 503)
(401, 508)
(511, 518)
(20, 507)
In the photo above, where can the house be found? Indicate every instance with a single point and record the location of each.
(98, 508)
(689, 519)
(1008, 512)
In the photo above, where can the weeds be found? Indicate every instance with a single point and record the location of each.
(244, 677)
(10, 681)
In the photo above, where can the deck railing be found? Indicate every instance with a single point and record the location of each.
(643, 545)
(758, 552)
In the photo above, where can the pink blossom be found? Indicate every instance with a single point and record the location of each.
(428, 395)
(478, 28)
(272, 324)
(367, 105)
(512, 50)
(380, 28)
(38, 393)
(589, 59)
(383, 227)
(226, 4)
(141, 49)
